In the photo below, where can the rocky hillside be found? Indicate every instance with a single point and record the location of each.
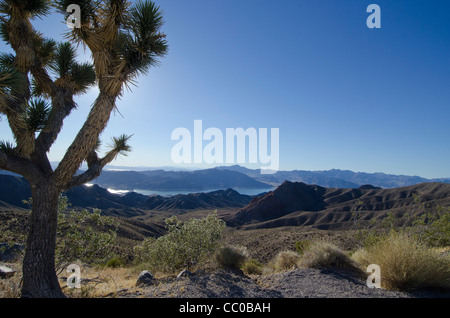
(13, 190)
(296, 203)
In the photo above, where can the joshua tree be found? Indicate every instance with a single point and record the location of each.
(38, 83)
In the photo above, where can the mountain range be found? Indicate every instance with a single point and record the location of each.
(299, 204)
(334, 178)
(177, 180)
(290, 204)
(240, 177)
(13, 190)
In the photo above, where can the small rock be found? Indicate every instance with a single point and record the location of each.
(184, 273)
(6, 272)
(145, 278)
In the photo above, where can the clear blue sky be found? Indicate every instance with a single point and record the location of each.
(343, 96)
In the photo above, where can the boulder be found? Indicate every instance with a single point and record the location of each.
(145, 279)
(6, 272)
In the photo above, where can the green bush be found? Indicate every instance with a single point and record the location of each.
(83, 236)
(115, 262)
(231, 256)
(432, 227)
(428, 224)
(369, 237)
(184, 246)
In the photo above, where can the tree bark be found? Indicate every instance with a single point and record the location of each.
(39, 275)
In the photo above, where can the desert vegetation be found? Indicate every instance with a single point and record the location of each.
(185, 245)
(406, 263)
(413, 256)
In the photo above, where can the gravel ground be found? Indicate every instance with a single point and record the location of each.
(298, 283)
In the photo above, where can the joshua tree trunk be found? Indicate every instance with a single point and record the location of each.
(39, 276)
(125, 41)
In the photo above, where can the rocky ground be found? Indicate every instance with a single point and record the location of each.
(298, 283)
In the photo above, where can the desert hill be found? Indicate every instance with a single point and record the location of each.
(299, 204)
(13, 190)
(217, 199)
(291, 204)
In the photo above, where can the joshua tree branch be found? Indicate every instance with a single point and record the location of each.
(95, 167)
(62, 106)
(19, 165)
(86, 139)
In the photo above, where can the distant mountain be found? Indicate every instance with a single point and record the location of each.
(290, 204)
(177, 180)
(296, 203)
(334, 178)
(15, 189)
(240, 177)
(217, 199)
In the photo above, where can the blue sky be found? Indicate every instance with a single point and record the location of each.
(343, 96)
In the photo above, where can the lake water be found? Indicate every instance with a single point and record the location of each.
(245, 191)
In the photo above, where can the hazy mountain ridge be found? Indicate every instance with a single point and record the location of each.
(236, 176)
(177, 180)
(336, 178)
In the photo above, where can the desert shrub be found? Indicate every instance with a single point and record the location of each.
(432, 227)
(326, 255)
(252, 267)
(83, 236)
(286, 260)
(184, 246)
(369, 237)
(115, 262)
(231, 256)
(302, 245)
(428, 224)
(406, 263)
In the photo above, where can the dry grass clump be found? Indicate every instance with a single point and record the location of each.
(406, 264)
(95, 283)
(231, 256)
(105, 282)
(252, 267)
(326, 255)
(286, 260)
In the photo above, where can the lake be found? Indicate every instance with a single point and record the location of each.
(169, 193)
(245, 191)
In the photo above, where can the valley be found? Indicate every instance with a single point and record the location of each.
(291, 204)
(267, 224)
